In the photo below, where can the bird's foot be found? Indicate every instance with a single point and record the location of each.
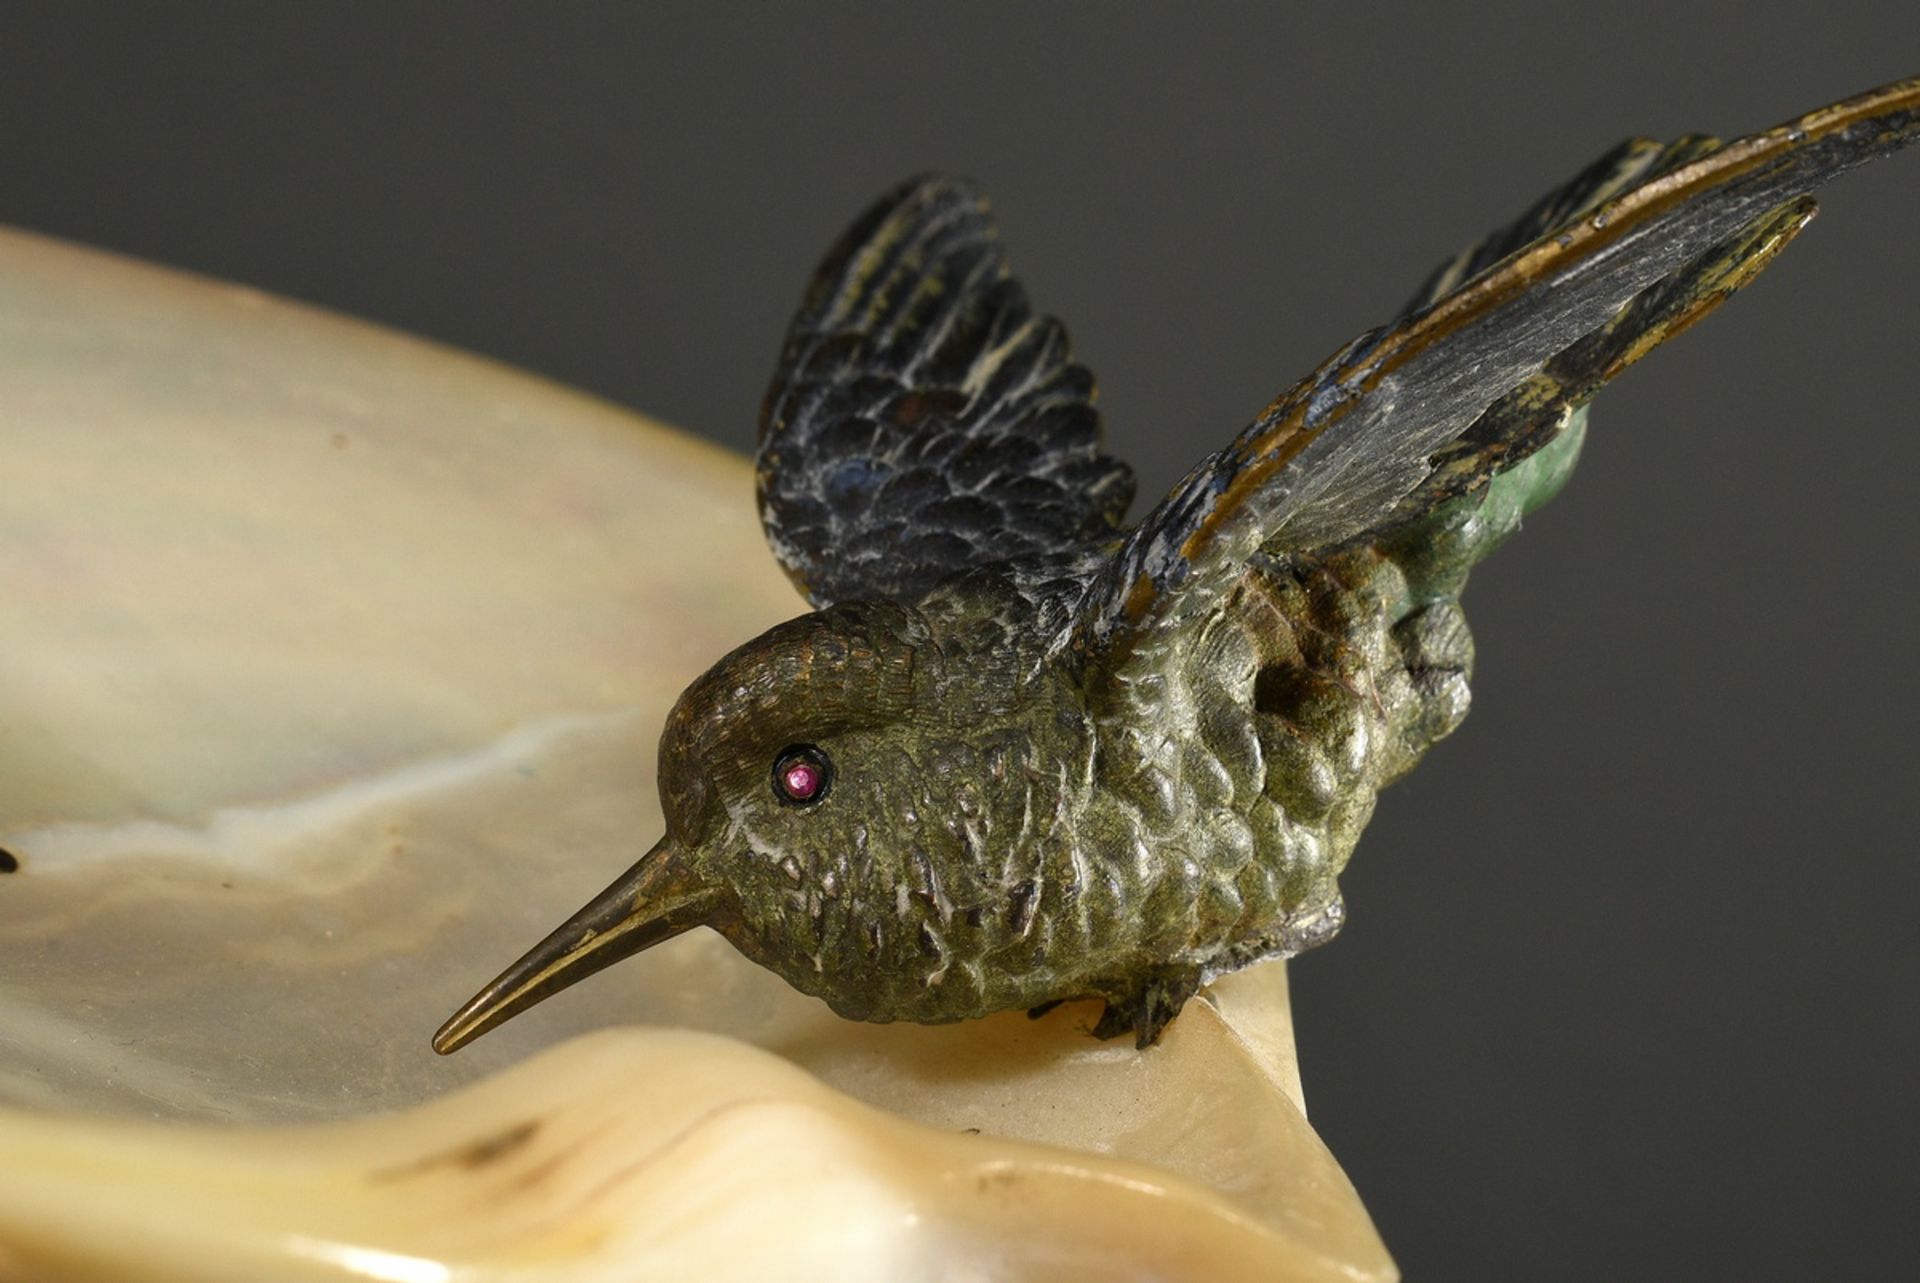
(1148, 1009)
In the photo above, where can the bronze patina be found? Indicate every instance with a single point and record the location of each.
(1023, 751)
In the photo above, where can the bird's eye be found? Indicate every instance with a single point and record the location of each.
(801, 775)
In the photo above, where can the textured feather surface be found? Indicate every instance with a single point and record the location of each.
(1539, 410)
(923, 421)
(1335, 456)
(1619, 171)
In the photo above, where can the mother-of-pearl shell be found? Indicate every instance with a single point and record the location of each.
(333, 666)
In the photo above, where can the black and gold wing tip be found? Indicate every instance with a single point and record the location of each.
(1623, 168)
(1536, 411)
(923, 420)
(1490, 359)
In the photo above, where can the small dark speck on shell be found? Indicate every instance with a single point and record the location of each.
(475, 1154)
(9, 862)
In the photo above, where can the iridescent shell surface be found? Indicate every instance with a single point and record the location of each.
(334, 665)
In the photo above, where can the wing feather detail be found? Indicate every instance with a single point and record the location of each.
(1619, 171)
(1335, 456)
(923, 420)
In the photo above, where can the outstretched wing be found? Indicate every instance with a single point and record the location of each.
(1538, 410)
(923, 420)
(1625, 167)
(1335, 456)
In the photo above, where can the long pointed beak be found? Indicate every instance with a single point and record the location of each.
(655, 900)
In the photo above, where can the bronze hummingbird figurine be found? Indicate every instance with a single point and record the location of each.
(1022, 751)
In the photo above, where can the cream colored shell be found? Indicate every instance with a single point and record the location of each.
(333, 666)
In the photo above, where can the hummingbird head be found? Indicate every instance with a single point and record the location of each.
(815, 784)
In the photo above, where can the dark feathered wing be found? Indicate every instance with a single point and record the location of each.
(1502, 341)
(923, 420)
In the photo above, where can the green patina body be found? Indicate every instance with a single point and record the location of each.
(1001, 833)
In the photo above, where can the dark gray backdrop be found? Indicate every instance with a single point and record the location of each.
(1629, 985)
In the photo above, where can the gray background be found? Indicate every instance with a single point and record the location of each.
(1629, 985)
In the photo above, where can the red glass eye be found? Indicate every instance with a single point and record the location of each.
(801, 780)
(801, 775)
